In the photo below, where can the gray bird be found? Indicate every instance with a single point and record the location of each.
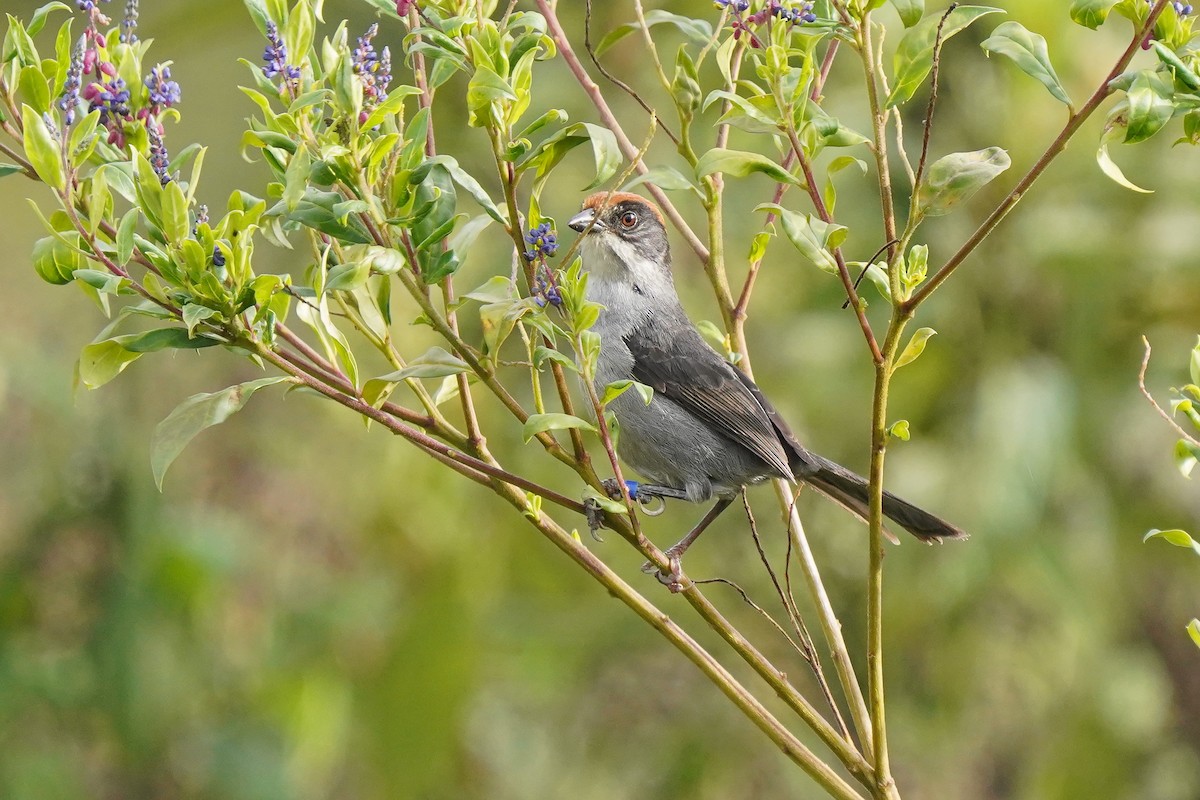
(708, 430)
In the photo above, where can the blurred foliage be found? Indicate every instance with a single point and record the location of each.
(310, 609)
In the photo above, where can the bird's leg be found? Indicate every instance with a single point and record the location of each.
(674, 578)
(642, 491)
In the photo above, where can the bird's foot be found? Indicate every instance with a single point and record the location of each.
(594, 515)
(673, 578)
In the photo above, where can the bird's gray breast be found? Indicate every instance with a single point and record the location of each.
(662, 441)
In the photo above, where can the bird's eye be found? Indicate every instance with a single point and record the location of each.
(629, 219)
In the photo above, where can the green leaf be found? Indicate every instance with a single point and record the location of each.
(125, 233)
(1194, 364)
(1110, 168)
(1186, 456)
(815, 239)
(194, 314)
(617, 388)
(666, 178)
(1181, 70)
(1151, 104)
(1091, 13)
(1176, 537)
(911, 11)
(914, 55)
(899, 429)
(741, 163)
(39, 18)
(1028, 50)
(295, 179)
(1193, 629)
(697, 30)
(435, 363)
(537, 423)
(42, 149)
(56, 261)
(347, 277)
(33, 88)
(176, 226)
(9, 169)
(497, 289)
(193, 415)
(914, 348)
(100, 362)
(957, 177)
(102, 281)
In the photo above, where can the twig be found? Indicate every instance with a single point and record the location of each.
(613, 79)
(1162, 412)
(933, 91)
(610, 121)
(809, 652)
(1074, 122)
(830, 625)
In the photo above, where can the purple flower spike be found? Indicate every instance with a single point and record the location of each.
(70, 95)
(275, 57)
(164, 92)
(158, 155)
(129, 23)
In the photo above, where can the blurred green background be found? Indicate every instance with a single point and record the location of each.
(312, 610)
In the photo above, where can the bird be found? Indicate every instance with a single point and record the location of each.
(708, 430)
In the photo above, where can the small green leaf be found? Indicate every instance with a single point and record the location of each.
(193, 415)
(914, 55)
(957, 177)
(696, 29)
(1028, 50)
(617, 388)
(899, 430)
(1194, 364)
(100, 362)
(1193, 629)
(666, 178)
(1110, 168)
(1181, 70)
(175, 213)
(102, 281)
(815, 239)
(163, 339)
(914, 348)
(1091, 13)
(347, 277)
(194, 314)
(537, 423)
(33, 88)
(42, 149)
(741, 163)
(1150, 101)
(1176, 537)
(911, 11)
(125, 236)
(56, 261)
(1186, 456)
(435, 363)
(9, 169)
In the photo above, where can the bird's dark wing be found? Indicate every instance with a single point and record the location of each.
(686, 370)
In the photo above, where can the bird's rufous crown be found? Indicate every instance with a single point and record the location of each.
(602, 200)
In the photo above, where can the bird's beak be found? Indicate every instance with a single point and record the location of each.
(583, 219)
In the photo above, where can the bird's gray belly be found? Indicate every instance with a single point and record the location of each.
(669, 446)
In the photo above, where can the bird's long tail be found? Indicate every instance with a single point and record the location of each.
(850, 490)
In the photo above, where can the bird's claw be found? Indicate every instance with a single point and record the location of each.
(594, 514)
(673, 578)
